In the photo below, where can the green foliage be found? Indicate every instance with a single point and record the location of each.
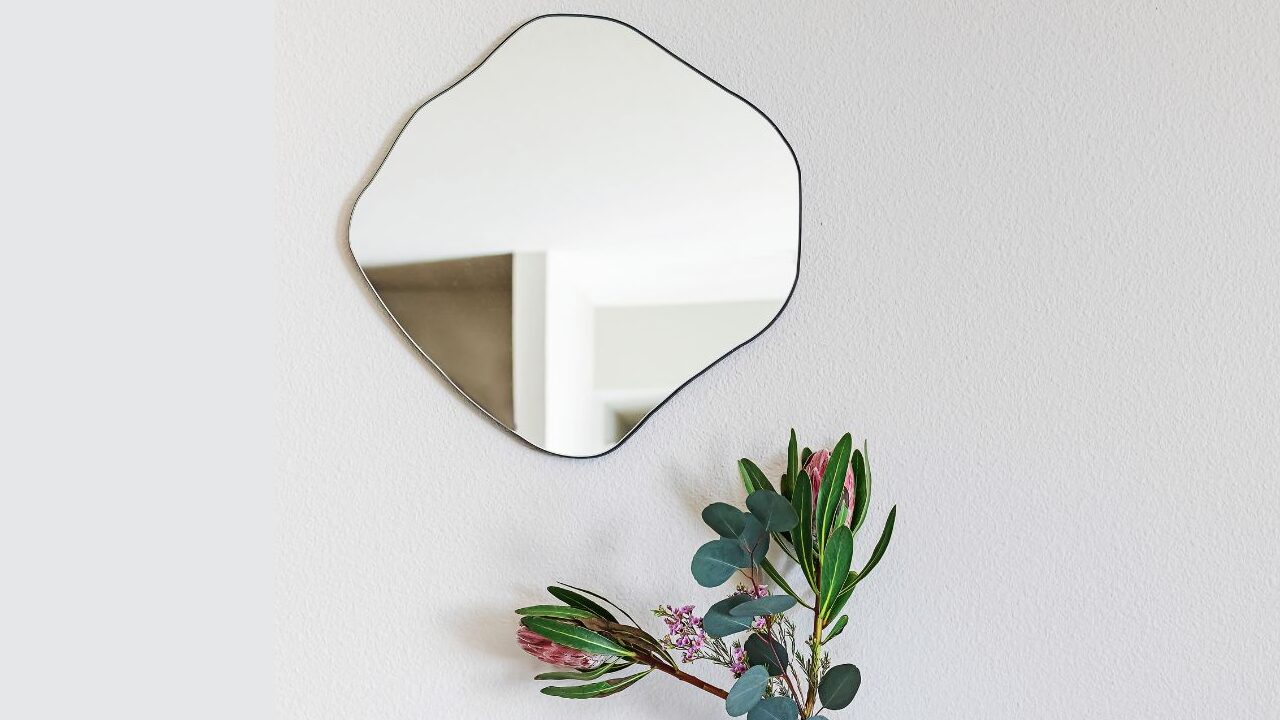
(727, 520)
(881, 545)
(720, 622)
(604, 669)
(600, 689)
(747, 691)
(780, 581)
(775, 708)
(802, 536)
(764, 650)
(861, 490)
(555, 611)
(837, 628)
(831, 493)
(755, 540)
(576, 637)
(772, 510)
(717, 561)
(571, 598)
(839, 686)
(767, 605)
(752, 478)
(835, 568)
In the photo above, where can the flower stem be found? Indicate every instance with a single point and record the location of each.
(686, 677)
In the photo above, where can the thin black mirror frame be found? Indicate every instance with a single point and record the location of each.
(787, 301)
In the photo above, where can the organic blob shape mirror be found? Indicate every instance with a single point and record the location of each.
(579, 227)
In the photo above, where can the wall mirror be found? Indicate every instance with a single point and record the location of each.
(579, 227)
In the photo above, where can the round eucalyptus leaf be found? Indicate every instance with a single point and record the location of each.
(775, 708)
(717, 561)
(767, 605)
(746, 692)
(764, 651)
(772, 510)
(839, 686)
(754, 540)
(719, 620)
(725, 519)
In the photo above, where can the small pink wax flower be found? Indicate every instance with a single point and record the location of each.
(555, 653)
(817, 467)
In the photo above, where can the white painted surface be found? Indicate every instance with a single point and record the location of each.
(1039, 274)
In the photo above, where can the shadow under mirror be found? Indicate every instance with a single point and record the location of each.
(579, 227)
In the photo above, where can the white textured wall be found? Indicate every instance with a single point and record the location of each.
(1039, 274)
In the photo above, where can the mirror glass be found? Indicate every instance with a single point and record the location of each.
(578, 227)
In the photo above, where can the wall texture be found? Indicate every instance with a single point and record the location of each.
(1039, 275)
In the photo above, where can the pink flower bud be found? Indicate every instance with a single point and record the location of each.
(555, 653)
(817, 467)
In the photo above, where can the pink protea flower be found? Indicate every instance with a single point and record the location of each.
(817, 466)
(555, 653)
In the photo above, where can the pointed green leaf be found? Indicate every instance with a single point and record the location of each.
(719, 621)
(604, 669)
(835, 566)
(831, 492)
(837, 628)
(569, 597)
(578, 638)
(555, 611)
(765, 650)
(881, 545)
(772, 510)
(775, 708)
(802, 536)
(861, 491)
(839, 686)
(793, 465)
(752, 478)
(717, 561)
(725, 519)
(767, 605)
(780, 581)
(747, 691)
(604, 688)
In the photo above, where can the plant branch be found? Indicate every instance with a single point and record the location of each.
(683, 676)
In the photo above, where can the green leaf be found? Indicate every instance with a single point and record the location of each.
(569, 597)
(767, 605)
(802, 536)
(775, 708)
(818, 717)
(780, 581)
(754, 540)
(843, 597)
(717, 561)
(555, 611)
(747, 691)
(793, 466)
(578, 638)
(601, 689)
(839, 686)
(861, 490)
(725, 519)
(805, 454)
(604, 669)
(772, 510)
(837, 628)
(881, 545)
(752, 478)
(835, 566)
(766, 651)
(719, 620)
(832, 490)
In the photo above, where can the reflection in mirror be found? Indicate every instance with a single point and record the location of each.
(579, 227)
